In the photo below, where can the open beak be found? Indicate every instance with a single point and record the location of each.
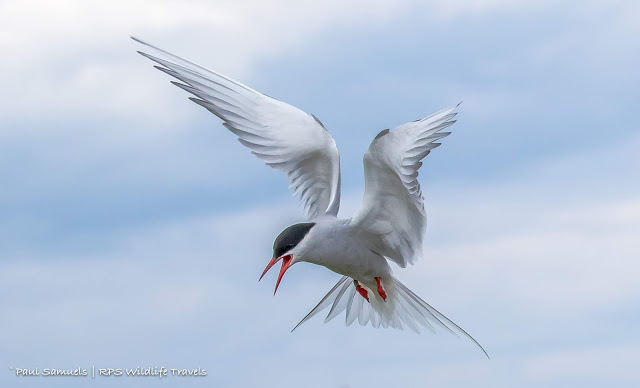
(286, 263)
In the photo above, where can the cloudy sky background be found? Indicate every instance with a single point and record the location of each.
(133, 226)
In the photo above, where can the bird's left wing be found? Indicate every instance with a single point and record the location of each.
(283, 136)
(392, 217)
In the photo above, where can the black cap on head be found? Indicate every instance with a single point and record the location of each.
(290, 237)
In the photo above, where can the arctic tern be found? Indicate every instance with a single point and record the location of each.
(388, 226)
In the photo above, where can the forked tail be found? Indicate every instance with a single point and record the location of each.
(402, 308)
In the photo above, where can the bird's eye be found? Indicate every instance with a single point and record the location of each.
(288, 246)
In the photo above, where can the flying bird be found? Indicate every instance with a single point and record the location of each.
(388, 226)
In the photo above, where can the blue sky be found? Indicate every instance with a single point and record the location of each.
(133, 226)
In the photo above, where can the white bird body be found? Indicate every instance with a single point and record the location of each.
(389, 224)
(338, 245)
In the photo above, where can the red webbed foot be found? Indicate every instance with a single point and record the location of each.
(381, 291)
(361, 290)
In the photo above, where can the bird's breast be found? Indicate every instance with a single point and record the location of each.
(341, 251)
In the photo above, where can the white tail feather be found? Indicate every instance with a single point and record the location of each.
(402, 308)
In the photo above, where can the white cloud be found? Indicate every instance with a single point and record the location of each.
(562, 238)
(599, 364)
(73, 58)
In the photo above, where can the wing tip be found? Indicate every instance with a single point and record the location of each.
(138, 40)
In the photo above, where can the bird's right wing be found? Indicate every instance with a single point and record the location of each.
(392, 217)
(283, 136)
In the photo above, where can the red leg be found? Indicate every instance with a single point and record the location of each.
(381, 290)
(361, 290)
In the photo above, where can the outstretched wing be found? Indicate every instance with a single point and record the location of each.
(283, 136)
(392, 215)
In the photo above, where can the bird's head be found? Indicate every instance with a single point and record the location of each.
(286, 248)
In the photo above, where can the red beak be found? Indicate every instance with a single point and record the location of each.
(286, 263)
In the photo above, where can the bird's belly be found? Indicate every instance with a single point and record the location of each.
(355, 263)
(337, 247)
(357, 272)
